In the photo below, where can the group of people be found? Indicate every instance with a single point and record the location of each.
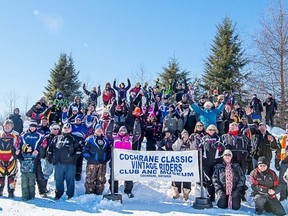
(234, 141)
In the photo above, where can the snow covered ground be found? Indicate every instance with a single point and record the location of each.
(151, 198)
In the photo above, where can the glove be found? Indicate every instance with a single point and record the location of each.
(221, 194)
(277, 166)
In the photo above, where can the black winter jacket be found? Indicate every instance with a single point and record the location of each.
(219, 177)
(64, 149)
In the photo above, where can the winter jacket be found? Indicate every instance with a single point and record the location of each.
(180, 145)
(79, 106)
(196, 138)
(44, 130)
(239, 145)
(92, 96)
(261, 146)
(206, 116)
(18, 122)
(97, 150)
(9, 142)
(108, 95)
(64, 150)
(124, 142)
(257, 105)
(27, 162)
(219, 177)
(271, 106)
(122, 92)
(212, 149)
(164, 111)
(34, 139)
(36, 113)
(173, 122)
(261, 182)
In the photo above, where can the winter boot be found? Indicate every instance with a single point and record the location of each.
(176, 194)
(186, 193)
(11, 194)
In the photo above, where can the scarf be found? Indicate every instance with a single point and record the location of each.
(229, 184)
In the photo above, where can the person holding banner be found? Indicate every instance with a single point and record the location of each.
(183, 143)
(199, 133)
(123, 141)
(212, 151)
(167, 142)
(228, 180)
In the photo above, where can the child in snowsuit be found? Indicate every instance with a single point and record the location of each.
(27, 168)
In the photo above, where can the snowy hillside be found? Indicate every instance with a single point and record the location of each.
(151, 198)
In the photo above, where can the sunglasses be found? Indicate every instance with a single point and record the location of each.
(211, 130)
(227, 155)
(55, 128)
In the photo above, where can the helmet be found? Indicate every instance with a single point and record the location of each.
(59, 95)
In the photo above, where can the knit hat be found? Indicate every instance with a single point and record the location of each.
(123, 128)
(33, 124)
(74, 108)
(227, 152)
(79, 116)
(262, 123)
(54, 126)
(98, 128)
(59, 95)
(262, 160)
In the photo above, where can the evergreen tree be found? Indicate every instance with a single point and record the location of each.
(64, 79)
(222, 69)
(173, 72)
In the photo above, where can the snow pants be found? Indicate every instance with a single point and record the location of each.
(263, 202)
(28, 186)
(95, 178)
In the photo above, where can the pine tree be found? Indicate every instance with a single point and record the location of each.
(64, 79)
(173, 72)
(223, 67)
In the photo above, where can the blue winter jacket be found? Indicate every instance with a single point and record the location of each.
(208, 117)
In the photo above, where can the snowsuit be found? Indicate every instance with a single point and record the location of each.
(9, 142)
(261, 182)
(37, 142)
(271, 107)
(152, 132)
(97, 152)
(219, 182)
(63, 153)
(212, 151)
(28, 176)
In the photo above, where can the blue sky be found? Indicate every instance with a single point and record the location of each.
(110, 39)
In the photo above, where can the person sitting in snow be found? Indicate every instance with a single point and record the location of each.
(97, 152)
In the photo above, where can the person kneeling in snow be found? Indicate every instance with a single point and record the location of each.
(97, 152)
(228, 180)
(265, 186)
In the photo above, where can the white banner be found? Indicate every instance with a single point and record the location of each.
(156, 165)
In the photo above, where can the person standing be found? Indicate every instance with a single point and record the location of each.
(265, 186)
(256, 104)
(17, 120)
(97, 152)
(63, 153)
(9, 142)
(271, 107)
